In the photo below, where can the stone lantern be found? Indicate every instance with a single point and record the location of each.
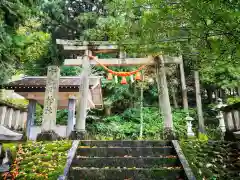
(220, 116)
(189, 120)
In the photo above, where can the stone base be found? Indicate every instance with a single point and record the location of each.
(190, 134)
(75, 135)
(48, 136)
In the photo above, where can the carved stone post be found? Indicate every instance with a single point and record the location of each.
(220, 117)
(30, 116)
(3, 111)
(71, 114)
(50, 105)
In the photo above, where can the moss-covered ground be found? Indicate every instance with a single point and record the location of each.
(213, 159)
(39, 160)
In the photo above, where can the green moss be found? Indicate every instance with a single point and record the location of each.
(43, 160)
(210, 160)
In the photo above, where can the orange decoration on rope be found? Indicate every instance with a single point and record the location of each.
(124, 80)
(110, 76)
(123, 74)
(138, 76)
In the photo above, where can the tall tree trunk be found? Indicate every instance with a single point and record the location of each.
(209, 95)
(199, 103)
(238, 90)
(184, 88)
(164, 101)
(216, 94)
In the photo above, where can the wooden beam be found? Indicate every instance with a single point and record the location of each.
(83, 43)
(113, 61)
(92, 47)
(127, 61)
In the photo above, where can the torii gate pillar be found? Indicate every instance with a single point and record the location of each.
(80, 128)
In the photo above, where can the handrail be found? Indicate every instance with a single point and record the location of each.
(231, 107)
(71, 154)
(183, 161)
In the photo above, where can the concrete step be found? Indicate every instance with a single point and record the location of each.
(125, 151)
(144, 162)
(125, 143)
(125, 174)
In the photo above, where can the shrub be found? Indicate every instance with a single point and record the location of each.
(127, 125)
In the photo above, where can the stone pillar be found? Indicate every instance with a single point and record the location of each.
(3, 112)
(30, 116)
(50, 105)
(10, 121)
(23, 120)
(16, 119)
(71, 114)
(83, 101)
(8, 118)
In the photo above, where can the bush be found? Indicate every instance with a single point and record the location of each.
(233, 100)
(127, 125)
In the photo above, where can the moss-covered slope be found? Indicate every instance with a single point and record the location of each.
(40, 160)
(213, 160)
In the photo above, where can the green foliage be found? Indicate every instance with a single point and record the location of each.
(202, 137)
(210, 160)
(62, 116)
(205, 32)
(16, 44)
(21, 103)
(12, 147)
(43, 160)
(212, 133)
(70, 71)
(127, 126)
(233, 100)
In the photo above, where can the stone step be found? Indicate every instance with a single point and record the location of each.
(124, 143)
(125, 174)
(145, 162)
(123, 151)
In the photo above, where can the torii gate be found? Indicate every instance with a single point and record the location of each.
(87, 49)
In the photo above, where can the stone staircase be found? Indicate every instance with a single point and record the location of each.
(126, 160)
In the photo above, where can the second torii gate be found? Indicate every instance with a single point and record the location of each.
(85, 49)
